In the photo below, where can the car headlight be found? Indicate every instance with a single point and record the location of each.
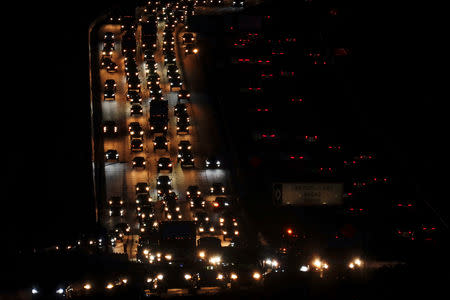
(87, 286)
(355, 263)
(160, 276)
(233, 276)
(256, 275)
(34, 291)
(60, 291)
(109, 286)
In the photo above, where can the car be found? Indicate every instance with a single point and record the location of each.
(187, 159)
(181, 153)
(182, 128)
(175, 83)
(213, 162)
(147, 218)
(49, 288)
(169, 58)
(146, 207)
(137, 144)
(150, 61)
(193, 191)
(110, 84)
(207, 227)
(121, 229)
(163, 186)
(188, 37)
(239, 3)
(190, 49)
(168, 40)
(172, 75)
(217, 188)
(156, 97)
(115, 205)
(197, 202)
(136, 109)
(153, 79)
(164, 163)
(245, 275)
(160, 142)
(129, 57)
(135, 129)
(405, 232)
(155, 89)
(108, 49)
(143, 197)
(172, 69)
(150, 68)
(228, 219)
(146, 214)
(108, 37)
(178, 108)
(111, 154)
(142, 187)
(167, 47)
(221, 202)
(183, 118)
(184, 145)
(138, 162)
(159, 125)
(132, 71)
(184, 95)
(104, 62)
(110, 128)
(134, 97)
(128, 24)
(111, 67)
(134, 84)
(149, 54)
(200, 217)
(109, 94)
(171, 207)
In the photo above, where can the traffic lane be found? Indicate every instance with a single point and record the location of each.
(118, 179)
(194, 79)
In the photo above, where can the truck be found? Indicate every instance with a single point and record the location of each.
(179, 237)
(159, 108)
(149, 34)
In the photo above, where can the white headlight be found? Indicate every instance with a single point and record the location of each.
(59, 291)
(34, 291)
(304, 268)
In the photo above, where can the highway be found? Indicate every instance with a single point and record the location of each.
(204, 136)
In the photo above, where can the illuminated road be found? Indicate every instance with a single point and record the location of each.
(121, 178)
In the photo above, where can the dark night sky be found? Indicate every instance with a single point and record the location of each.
(47, 139)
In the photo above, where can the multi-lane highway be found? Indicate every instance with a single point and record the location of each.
(121, 177)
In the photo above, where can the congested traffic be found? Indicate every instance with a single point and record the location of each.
(221, 165)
